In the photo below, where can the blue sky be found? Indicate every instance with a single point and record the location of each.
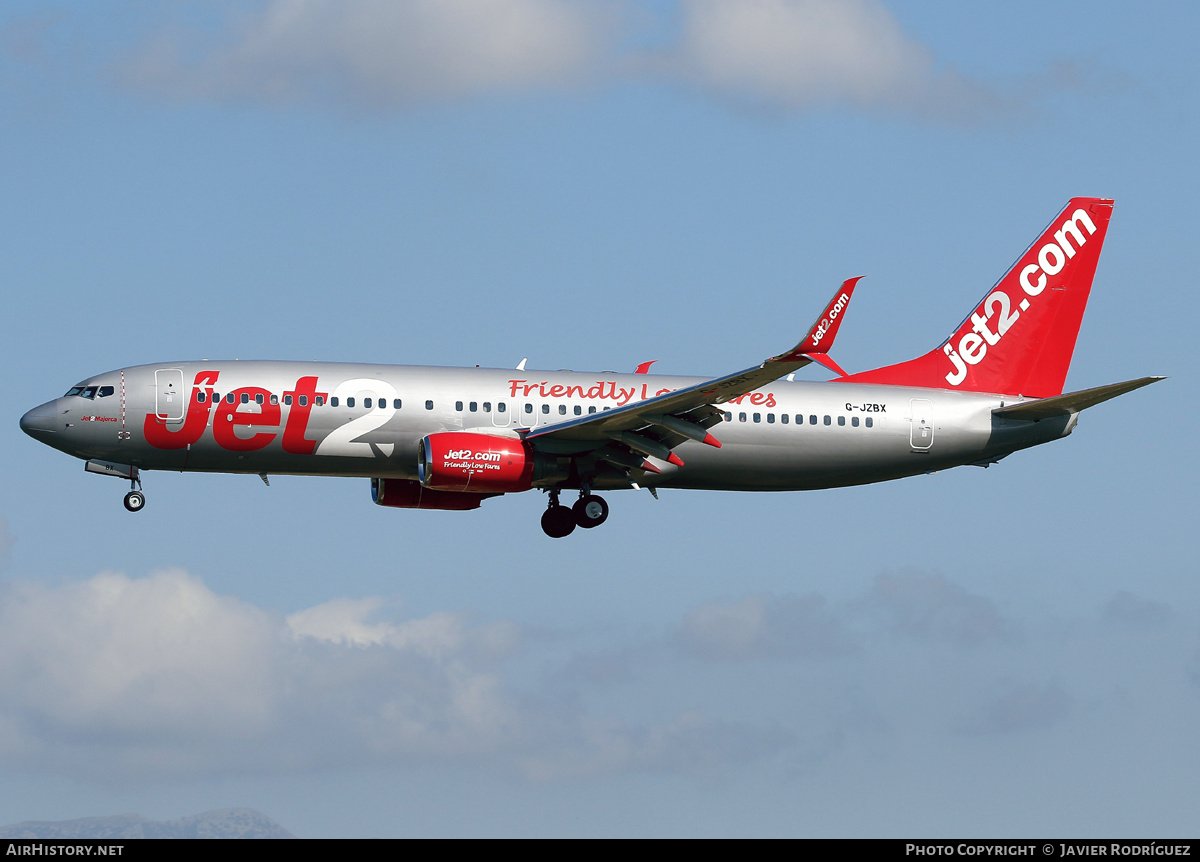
(591, 185)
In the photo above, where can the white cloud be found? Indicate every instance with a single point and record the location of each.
(115, 675)
(1127, 612)
(1019, 708)
(346, 621)
(381, 52)
(386, 55)
(113, 655)
(928, 608)
(763, 626)
(162, 672)
(799, 53)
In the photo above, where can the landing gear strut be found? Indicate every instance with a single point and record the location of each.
(559, 521)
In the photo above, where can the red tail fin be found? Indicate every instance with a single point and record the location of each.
(1019, 339)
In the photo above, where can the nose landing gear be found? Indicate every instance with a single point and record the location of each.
(135, 500)
(559, 521)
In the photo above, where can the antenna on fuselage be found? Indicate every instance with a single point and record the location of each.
(521, 364)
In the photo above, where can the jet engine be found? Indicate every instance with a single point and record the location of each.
(407, 494)
(462, 461)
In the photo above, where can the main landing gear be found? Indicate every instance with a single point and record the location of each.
(589, 511)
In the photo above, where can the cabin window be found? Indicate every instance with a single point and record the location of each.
(457, 406)
(591, 409)
(827, 420)
(757, 417)
(528, 408)
(501, 407)
(304, 401)
(318, 400)
(229, 399)
(487, 406)
(333, 402)
(728, 416)
(275, 400)
(474, 407)
(741, 417)
(770, 418)
(200, 397)
(245, 397)
(841, 420)
(350, 402)
(783, 418)
(429, 405)
(854, 421)
(366, 402)
(562, 409)
(812, 419)
(258, 398)
(870, 421)
(395, 403)
(545, 408)
(578, 410)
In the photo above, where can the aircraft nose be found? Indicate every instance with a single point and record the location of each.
(41, 421)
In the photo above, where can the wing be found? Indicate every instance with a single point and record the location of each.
(657, 425)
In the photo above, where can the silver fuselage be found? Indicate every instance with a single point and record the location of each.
(788, 436)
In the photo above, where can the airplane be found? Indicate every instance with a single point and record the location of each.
(449, 438)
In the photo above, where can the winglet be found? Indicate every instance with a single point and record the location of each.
(820, 337)
(644, 368)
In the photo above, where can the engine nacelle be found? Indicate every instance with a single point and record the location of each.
(407, 494)
(462, 461)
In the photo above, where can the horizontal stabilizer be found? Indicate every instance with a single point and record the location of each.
(1071, 402)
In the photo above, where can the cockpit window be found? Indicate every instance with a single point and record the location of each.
(74, 390)
(105, 391)
(90, 392)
